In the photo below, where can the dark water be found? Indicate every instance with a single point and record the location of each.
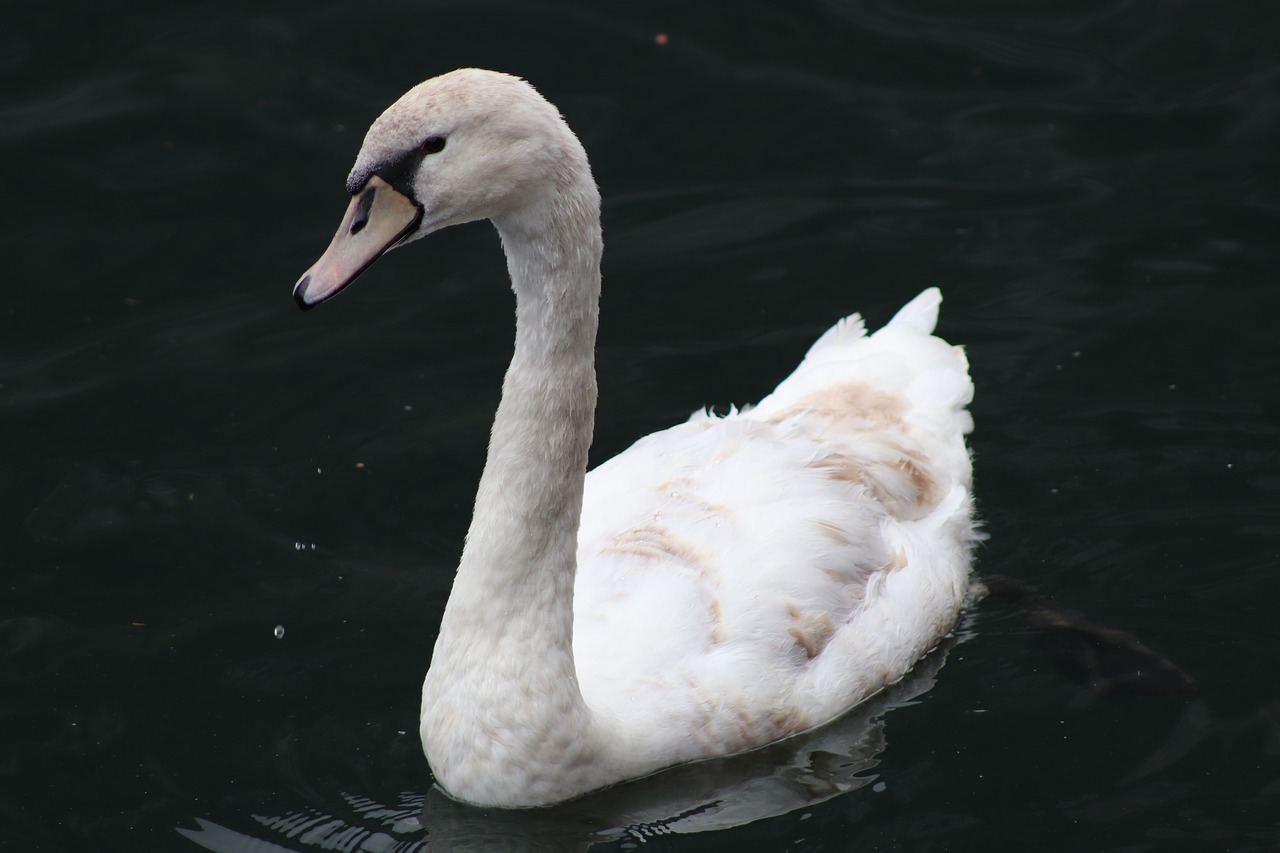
(190, 463)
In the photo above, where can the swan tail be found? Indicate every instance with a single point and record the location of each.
(840, 335)
(928, 376)
(921, 313)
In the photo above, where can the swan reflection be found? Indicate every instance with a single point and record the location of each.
(794, 774)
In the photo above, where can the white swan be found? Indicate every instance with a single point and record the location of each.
(721, 584)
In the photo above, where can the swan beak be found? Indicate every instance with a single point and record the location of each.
(378, 217)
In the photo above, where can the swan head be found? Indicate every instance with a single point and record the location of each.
(467, 145)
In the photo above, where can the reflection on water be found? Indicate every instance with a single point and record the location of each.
(719, 794)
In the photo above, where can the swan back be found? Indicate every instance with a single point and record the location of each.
(760, 573)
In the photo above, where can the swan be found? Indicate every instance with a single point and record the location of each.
(718, 586)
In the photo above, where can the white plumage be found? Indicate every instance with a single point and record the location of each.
(762, 572)
(717, 586)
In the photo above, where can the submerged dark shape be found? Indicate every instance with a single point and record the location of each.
(1108, 660)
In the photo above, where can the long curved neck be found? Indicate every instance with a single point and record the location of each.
(502, 688)
(523, 539)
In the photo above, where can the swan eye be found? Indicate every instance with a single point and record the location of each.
(432, 145)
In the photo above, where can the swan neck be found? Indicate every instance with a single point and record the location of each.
(503, 668)
(531, 490)
(530, 499)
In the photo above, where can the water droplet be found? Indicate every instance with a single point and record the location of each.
(279, 632)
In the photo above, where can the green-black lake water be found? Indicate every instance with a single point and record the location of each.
(230, 529)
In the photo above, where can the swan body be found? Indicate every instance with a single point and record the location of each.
(720, 585)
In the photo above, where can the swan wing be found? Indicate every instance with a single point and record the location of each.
(743, 578)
